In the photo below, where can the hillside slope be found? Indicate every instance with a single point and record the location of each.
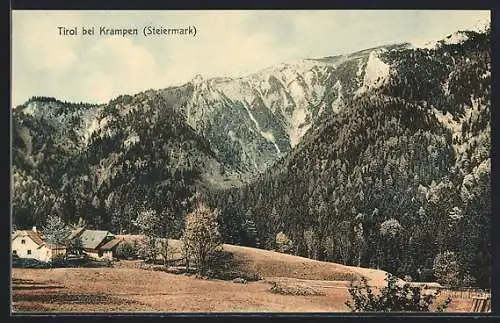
(271, 264)
(253, 120)
(91, 161)
(86, 162)
(275, 264)
(396, 178)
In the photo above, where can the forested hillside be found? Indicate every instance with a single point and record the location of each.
(136, 152)
(380, 158)
(398, 179)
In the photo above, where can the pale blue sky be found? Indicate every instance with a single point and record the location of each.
(229, 43)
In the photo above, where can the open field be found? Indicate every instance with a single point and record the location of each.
(127, 287)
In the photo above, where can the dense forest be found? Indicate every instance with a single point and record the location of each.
(397, 178)
(116, 173)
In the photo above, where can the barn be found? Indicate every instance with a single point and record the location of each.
(97, 244)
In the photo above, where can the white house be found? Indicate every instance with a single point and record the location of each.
(30, 244)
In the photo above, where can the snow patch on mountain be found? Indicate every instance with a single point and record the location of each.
(251, 116)
(361, 69)
(266, 135)
(376, 73)
(288, 90)
(89, 123)
(482, 25)
(298, 126)
(92, 125)
(337, 103)
(234, 89)
(291, 68)
(455, 38)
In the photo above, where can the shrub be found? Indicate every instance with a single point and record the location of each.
(447, 269)
(283, 243)
(392, 298)
(201, 238)
(408, 278)
(294, 289)
(143, 249)
(343, 276)
(126, 250)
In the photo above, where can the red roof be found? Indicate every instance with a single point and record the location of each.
(38, 239)
(52, 246)
(35, 236)
(110, 244)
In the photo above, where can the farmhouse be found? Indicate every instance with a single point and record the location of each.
(97, 244)
(30, 244)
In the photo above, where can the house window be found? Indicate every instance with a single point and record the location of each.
(14, 252)
(29, 252)
(23, 241)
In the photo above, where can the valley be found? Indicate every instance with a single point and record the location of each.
(379, 158)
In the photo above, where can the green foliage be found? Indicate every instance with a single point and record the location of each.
(149, 225)
(283, 243)
(201, 237)
(151, 153)
(391, 180)
(447, 268)
(56, 231)
(75, 246)
(390, 229)
(395, 297)
(126, 250)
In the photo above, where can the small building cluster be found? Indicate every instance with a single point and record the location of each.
(96, 244)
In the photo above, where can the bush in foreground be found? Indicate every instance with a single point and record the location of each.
(295, 289)
(393, 298)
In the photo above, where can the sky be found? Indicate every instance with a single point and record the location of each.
(96, 69)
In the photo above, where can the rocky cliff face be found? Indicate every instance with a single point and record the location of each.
(249, 122)
(253, 120)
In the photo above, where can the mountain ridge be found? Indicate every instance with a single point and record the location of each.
(377, 146)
